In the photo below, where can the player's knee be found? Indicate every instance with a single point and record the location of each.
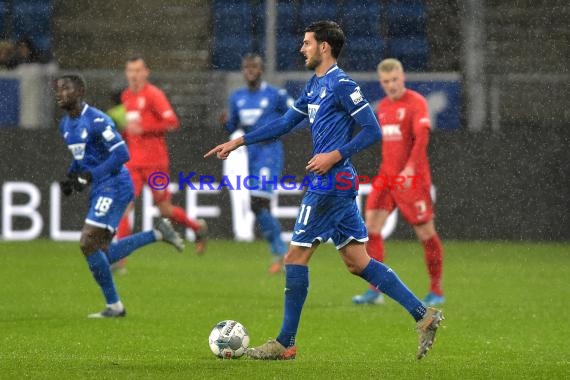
(425, 231)
(373, 226)
(258, 204)
(92, 241)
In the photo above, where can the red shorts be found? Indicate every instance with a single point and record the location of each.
(140, 175)
(415, 204)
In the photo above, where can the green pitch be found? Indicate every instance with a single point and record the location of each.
(507, 314)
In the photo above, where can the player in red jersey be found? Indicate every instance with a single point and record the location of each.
(149, 117)
(405, 123)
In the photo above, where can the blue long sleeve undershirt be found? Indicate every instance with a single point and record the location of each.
(112, 165)
(368, 135)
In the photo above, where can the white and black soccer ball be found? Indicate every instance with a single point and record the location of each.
(228, 339)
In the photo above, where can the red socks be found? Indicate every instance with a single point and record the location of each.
(375, 247)
(124, 228)
(179, 216)
(433, 251)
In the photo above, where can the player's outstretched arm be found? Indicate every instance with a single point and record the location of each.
(222, 151)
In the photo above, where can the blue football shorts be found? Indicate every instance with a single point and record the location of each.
(108, 201)
(324, 217)
(265, 174)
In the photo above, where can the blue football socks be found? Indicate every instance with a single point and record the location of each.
(296, 289)
(124, 247)
(271, 230)
(384, 278)
(99, 266)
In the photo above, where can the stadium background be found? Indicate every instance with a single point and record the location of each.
(503, 174)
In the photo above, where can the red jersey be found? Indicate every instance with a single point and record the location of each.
(405, 127)
(151, 110)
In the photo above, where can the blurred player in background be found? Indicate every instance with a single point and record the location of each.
(334, 105)
(404, 117)
(117, 112)
(149, 117)
(249, 108)
(99, 153)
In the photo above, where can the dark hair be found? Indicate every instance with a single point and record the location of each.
(136, 57)
(253, 56)
(76, 79)
(329, 32)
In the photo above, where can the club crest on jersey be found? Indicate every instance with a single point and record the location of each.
(141, 102)
(401, 113)
(77, 150)
(356, 96)
(323, 92)
(264, 103)
(313, 109)
(83, 134)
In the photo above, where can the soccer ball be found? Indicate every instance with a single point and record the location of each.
(228, 339)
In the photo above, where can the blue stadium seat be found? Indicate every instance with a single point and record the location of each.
(3, 15)
(229, 50)
(359, 19)
(406, 18)
(231, 17)
(33, 19)
(287, 20)
(288, 55)
(362, 53)
(316, 10)
(412, 52)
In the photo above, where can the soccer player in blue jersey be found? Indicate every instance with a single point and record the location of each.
(334, 105)
(249, 108)
(98, 157)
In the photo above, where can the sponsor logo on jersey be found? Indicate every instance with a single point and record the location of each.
(313, 109)
(356, 96)
(249, 116)
(77, 150)
(391, 132)
(133, 116)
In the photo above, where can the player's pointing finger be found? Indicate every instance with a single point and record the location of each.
(213, 151)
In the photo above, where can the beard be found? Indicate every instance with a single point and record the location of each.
(314, 62)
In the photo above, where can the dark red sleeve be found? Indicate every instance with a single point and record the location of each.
(165, 117)
(421, 126)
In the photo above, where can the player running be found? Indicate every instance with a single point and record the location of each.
(99, 153)
(404, 117)
(149, 117)
(249, 108)
(334, 105)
